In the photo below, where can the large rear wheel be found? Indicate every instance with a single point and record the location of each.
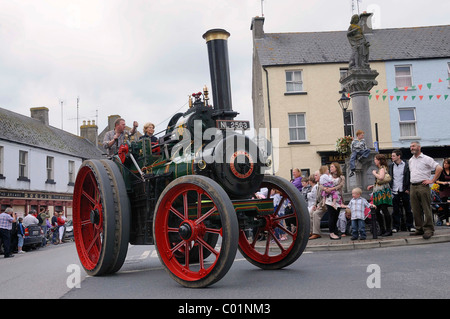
(101, 217)
(196, 231)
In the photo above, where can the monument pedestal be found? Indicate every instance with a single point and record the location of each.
(363, 174)
(358, 83)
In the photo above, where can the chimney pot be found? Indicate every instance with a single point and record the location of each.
(40, 114)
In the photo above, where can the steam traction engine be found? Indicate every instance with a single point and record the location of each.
(192, 195)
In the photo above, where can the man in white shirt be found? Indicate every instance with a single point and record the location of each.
(400, 184)
(421, 167)
(30, 219)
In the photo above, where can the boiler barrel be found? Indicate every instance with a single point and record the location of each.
(217, 42)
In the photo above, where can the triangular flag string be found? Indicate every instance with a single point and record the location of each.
(383, 92)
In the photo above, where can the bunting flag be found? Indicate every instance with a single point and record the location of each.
(383, 93)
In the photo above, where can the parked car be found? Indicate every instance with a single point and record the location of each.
(68, 233)
(34, 237)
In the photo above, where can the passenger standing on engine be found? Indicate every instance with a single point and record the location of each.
(113, 139)
(149, 130)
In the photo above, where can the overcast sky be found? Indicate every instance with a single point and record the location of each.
(142, 58)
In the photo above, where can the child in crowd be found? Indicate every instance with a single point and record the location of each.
(306, 187)
(357, 206)
(359, 151)
(20, 235)
(327, 181)
(343, 224)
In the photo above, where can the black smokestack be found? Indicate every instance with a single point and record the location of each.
(217, 42)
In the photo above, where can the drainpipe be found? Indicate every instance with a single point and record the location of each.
(270, 121)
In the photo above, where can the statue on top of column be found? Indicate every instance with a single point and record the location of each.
(360, 46)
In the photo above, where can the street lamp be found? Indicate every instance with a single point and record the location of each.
(344, 102)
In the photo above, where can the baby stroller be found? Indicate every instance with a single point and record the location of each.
(439, 208)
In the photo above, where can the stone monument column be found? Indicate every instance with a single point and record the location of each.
(358, 82)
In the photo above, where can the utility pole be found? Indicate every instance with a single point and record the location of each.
(355, 6)
(62, 122)
(78, 125)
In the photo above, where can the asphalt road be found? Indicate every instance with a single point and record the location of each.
(419, 271)
(40, 273)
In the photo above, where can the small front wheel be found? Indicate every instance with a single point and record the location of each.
(282, 236)
(196, 231)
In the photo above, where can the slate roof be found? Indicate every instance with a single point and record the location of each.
(333, 47)
(21, 129)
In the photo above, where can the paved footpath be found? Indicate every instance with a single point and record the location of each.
(441, 234)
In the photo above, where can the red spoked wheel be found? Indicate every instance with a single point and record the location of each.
(101, 217)
(281, 237)
(196, 231)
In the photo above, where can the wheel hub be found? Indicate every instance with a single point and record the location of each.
(185, 231)
(95, 217)
(190, 231)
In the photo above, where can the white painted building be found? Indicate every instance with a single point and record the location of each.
(39, 163)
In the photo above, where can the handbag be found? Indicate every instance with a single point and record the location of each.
(387, 179)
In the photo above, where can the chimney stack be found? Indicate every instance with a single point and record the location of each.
(111, 120)
(90, 132)
(219, 67)
(257, 27)
(40, 114)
